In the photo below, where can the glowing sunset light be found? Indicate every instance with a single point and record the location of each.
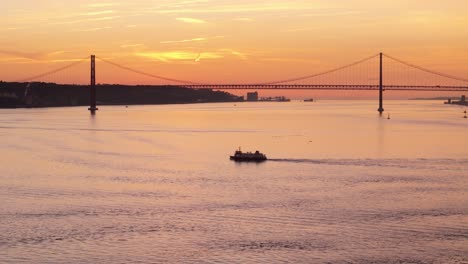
(191, 20)
(231, 41)
(179, 55)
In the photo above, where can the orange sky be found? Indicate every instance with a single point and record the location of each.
(228, 41)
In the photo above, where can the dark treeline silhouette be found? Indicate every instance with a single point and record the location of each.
(50, 94)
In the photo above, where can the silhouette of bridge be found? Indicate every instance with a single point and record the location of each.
(368, 74)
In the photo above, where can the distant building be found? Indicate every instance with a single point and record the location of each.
(252, 96)
(461, 102)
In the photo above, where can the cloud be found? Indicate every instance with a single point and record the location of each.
(191, 20)
(56, 53)
(124, 46)
(105, 12)
(191, 56)
(102, 4)
(290, 60)
(64, 60)
(27, 61)
(91, 29)
(241, 8)
(238, 54)
(106, 18)
(243, 19)
(199, 39)
(36, 57)
(333, 12)
(300, 29)
(168, 56)
(183, 41)
(24, 55)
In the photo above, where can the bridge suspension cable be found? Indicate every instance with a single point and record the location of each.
(147, 74)
(426, 70)
(289, 83)
(321, 73)
(53, 71)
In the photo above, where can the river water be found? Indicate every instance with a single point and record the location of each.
(154, 184)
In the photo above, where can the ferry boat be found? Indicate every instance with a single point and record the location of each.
(248, 156)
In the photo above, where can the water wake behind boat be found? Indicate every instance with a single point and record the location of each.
(457, 164)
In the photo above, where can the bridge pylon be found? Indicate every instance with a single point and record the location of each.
(92, 88)
(381, 109)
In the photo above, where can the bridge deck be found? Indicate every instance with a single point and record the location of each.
(324, 87)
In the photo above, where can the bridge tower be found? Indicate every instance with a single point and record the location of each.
(92, 96)
(381, 85)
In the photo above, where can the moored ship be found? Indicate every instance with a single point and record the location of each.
(248, 156)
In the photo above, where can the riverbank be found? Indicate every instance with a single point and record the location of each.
(31, 95)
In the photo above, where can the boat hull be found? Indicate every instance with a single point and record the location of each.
(247, 159)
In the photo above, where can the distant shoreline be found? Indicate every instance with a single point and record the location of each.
(39, 95)
(434, 98)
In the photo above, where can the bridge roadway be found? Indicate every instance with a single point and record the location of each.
(324, 87)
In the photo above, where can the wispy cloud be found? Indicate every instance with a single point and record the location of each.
(125, 46)
(24, 55)
(91, 29)
(273, 59)
(191, 20)
(56, 53)
(167, 56)
(104, 12)
(238, 54)
(106, 18)
(243, 19)
(299, 29)
(64, 60)
(183, 41)
(28, 61)
(103, 4)
(199, 39)
(240, 8)
(191, 56)
(14, 60)
(198, 58)
(330, 12)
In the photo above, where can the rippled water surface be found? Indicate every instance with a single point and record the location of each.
(154, 184)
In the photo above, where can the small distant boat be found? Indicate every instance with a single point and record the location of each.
(388, 117)
(309, 100)
(248, 156)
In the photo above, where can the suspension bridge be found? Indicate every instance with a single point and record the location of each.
(379, 73)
